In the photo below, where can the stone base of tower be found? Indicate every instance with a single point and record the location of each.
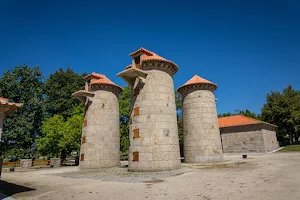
(157, 166)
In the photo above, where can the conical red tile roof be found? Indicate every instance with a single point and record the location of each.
(149, 55)
(197, 80)
(99, 79)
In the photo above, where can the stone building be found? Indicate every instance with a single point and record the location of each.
(100, 143)
(202, 142)
(154, 143)
(242, 134)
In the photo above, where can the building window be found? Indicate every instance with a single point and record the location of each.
(82, 157)
(135, 156)
(137, 61)
(136, 133)
(83, 139)
(136, 111)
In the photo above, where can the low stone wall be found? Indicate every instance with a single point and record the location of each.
(25, 163)
(55, 162)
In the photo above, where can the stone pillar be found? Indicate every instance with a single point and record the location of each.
(154, 143)
(202, 141)
(25, 163)
(55, 162)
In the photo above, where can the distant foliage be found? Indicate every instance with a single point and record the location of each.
(58, 89)
(246, 113)
(283, 110)
(21, 128)
(61, 137)
(124, 108)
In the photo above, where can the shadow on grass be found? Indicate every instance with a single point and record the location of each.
(10, 188)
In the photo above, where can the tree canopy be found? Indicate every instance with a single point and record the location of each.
(58, 89)
(21, 128)
(283, 110)
(61, 137)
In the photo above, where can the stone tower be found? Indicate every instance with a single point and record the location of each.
(202, 141)
(154, 144)
(100, 142)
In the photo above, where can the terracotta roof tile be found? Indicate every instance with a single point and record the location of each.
(99, 79)
(3, 99)
(197, 80)
(149, 55)
(238, 120)
(145, 51)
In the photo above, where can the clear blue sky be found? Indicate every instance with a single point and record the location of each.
(247, 47)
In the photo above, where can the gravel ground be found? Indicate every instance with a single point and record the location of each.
(261, 177)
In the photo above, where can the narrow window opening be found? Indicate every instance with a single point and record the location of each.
(135, 156)
(82, 157)
(83, 139)
(136, 111)
(137, 62)
(136, 133)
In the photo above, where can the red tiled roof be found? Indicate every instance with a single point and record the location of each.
(149, 55)
(197, 80)
(145, 51)
(99, 79)
(3, 99)
(238, 120)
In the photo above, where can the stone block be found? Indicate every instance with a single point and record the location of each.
(25, 163)
(55, 162)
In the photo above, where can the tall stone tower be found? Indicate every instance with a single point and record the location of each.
(100, 143)
(201, 134)
(154, 144)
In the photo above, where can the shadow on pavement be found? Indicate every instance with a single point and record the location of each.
(10, 188)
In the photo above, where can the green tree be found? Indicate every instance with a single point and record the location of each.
(246, 113)
(22, 84)
(61, 137)
(124, 107)
(179, 102)
(58, 92)
(283, 110)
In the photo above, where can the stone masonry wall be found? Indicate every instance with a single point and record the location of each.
(100, 144)
(202, 142)
(253, 138)
(156, 122)
(242, 139)
(270, 140)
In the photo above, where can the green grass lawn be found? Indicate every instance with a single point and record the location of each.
(290, 148)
